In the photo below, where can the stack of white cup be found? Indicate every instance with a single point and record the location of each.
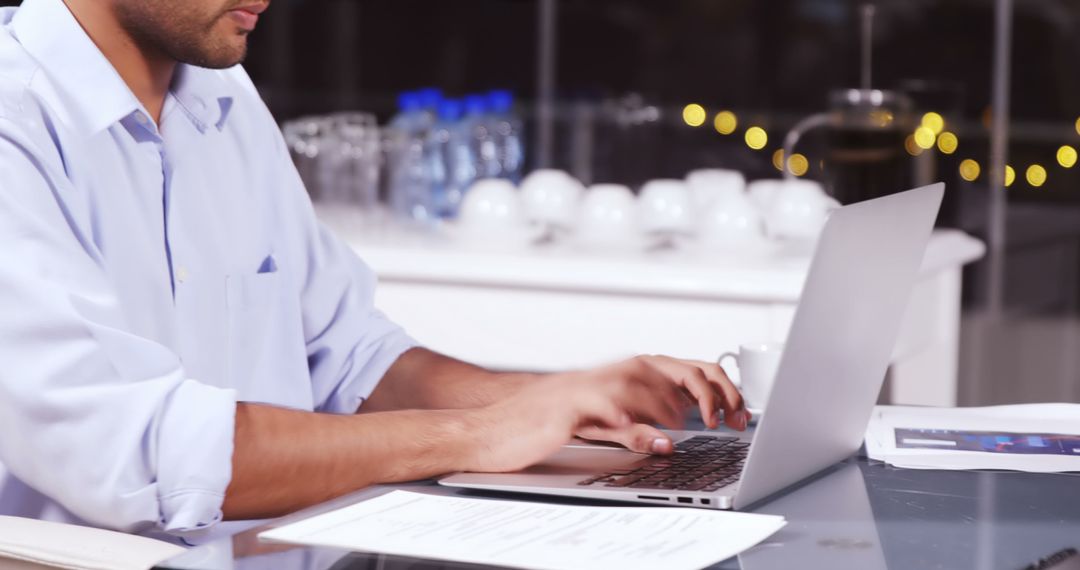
(714, 208)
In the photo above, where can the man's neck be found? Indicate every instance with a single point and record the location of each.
(148, 75)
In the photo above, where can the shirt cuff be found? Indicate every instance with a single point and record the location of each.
(195, 447)
(358, 387)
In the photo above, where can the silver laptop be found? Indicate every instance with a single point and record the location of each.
(834, 362)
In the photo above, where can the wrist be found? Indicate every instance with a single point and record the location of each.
(467, 432)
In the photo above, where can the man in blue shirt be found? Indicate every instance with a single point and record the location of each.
(183, 343)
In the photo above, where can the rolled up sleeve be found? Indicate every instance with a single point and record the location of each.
(100, 420)
(196, 434)
(350, 343)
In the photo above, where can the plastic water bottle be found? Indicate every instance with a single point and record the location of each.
(478, 124)
(410, 182)
(409, 115)
(463, 160)
(449, 157)
(409, 186)
(507, 134)
(429, 100)
(416, 111)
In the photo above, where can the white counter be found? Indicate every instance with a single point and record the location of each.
(554, 307)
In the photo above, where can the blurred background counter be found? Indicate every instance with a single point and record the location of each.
(554, 307)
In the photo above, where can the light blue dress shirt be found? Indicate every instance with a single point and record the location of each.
(151, 276)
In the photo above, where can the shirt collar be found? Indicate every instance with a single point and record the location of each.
(89, 89)
(203, 94)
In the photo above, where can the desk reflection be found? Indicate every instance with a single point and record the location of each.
(830, 525)
(856, 515)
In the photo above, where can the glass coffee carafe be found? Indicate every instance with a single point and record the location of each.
(864, 152)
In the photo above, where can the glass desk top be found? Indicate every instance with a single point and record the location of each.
(855, 515)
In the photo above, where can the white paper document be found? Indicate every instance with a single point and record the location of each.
(533, 535)
(1042, 438)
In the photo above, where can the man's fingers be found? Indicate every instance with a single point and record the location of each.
(719, 378)
(735, 414)
(641, 438)
(708, 400)
(695, 380)
(661, 399)
(727, 395)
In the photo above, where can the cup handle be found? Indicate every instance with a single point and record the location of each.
(735, 357)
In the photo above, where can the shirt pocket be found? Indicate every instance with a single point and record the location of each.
(252, 292)
(267, 360)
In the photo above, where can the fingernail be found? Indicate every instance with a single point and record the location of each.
(743, 419)
(659, 445)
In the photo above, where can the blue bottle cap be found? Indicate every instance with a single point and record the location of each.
(429, 97)
(450, 109)
(408, 101)
(500, 100)
(475, 105)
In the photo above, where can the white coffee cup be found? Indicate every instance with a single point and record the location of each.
(551, 197)
(730, 221)
(708, 185)
(491, 206)
(608, 217)
(666, 207)
(798, 210)
(757, 363)
(762, 192)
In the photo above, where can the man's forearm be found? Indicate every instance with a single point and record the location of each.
(422, 379)
(284, 460)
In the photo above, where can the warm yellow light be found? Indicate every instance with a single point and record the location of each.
(778, 159)
(934, 122)
(725, 122)
(1066, 156)
(924, 137)
(1078, 126)
(969, 170)
(881, 118)
(947, 142)
(694, 115)
(1036, 175)
(756, 138)
(1010, 175)
(910, 146)
(798, 165)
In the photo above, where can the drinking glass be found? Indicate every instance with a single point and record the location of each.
(306, 138)
(348, 172)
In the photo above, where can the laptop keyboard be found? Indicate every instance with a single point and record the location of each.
(701, 463)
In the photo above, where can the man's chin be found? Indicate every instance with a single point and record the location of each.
(223, 58)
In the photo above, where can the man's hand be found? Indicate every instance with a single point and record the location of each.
(705, 382)
(615, 403)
